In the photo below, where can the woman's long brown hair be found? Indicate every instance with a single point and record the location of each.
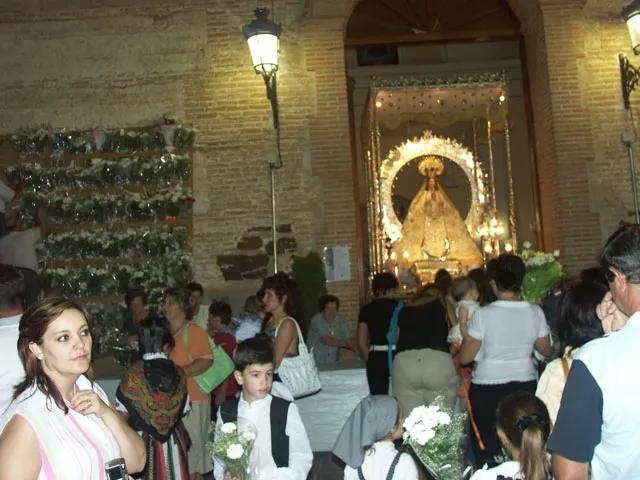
(525, 421)
(34, 323)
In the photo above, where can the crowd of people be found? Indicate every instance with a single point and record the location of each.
(468, 340)
(563, 411)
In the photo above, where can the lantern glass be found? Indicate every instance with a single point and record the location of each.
(264, 53)
(633, 25)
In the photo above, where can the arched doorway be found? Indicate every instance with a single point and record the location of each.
(448, 38)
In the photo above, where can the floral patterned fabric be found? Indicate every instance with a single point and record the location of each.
(154, 393)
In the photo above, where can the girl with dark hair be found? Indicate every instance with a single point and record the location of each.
(479, 276)
(373, 324)
(153, 396)
(577, 325)
(523, 426)
(61, 424)
(508, 330)
(280, 301)
(192, 352)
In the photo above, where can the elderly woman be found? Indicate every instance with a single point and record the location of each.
(508, 330)
(153, 396)
(61, 424)
(328, 332)
(192, 352)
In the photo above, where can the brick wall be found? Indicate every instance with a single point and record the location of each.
(125, 64)
(571, 48)
(129, 63)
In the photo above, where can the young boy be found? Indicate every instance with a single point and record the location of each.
(281, 449)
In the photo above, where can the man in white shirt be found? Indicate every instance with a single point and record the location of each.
(18, 248)
(281, 450)
(11, 308)
(200, 312)
(597, 431)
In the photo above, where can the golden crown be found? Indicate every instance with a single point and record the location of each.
(431, 163)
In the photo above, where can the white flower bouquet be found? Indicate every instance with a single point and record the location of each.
(543, 273)
(435, 434)
(232, 445)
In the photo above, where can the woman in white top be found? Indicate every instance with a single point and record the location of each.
(365, 443)
(578, 324)
(60, 423)
(508, 330)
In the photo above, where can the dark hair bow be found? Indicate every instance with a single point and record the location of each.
(524, 422)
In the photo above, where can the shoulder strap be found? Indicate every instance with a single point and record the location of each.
(302, 348)
(565, 367)
(394, 464)
(391, 333)
(360, 474)
(229, 410)
(185, 334)
(279, 437)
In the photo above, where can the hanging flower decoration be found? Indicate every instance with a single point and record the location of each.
(91, 260)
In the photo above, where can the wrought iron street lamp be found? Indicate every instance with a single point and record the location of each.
(263, 38)
(630, 76)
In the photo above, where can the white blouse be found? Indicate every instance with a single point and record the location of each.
(71, 445)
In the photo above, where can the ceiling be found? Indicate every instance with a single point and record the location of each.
(376, 22)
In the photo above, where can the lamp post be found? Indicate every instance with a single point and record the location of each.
(628, 73)
(263, 37)
(630, 76)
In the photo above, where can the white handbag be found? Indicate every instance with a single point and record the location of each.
(300, 374)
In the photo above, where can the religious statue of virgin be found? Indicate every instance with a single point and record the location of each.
(433, 228)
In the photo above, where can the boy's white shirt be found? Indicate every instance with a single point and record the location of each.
(300, 454)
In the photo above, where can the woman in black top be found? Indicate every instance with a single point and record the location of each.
(423, 367)
(373, 325)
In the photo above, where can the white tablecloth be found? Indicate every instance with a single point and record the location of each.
(324, 413)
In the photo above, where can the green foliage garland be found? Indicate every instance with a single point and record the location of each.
(146, 241)
(115, 279)
(126, 206)
(30, 142)
(85, 191)
(165, 169)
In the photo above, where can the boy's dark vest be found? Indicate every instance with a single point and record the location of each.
(279, 437)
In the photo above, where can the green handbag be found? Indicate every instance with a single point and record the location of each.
(217, 373)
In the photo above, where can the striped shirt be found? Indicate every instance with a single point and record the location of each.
(72, 445)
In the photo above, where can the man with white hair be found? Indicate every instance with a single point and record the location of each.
(599, 422)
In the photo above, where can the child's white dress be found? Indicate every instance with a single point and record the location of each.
(455, 336)
(377, 462)
(506, 470)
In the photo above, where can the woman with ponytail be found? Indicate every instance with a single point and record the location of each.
(508, 330)
(523, 427)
